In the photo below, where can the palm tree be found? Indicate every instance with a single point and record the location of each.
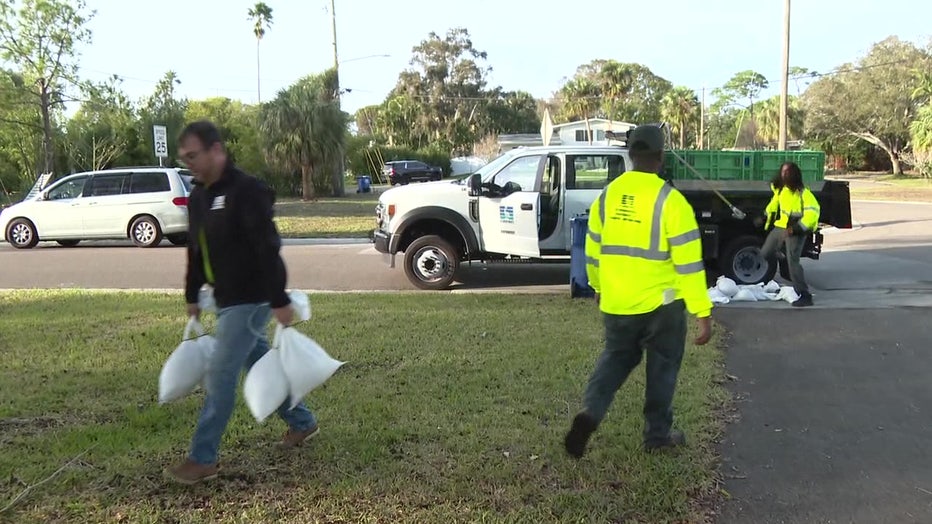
(680, 108)
(304, 131)
(767, 119)
(580, 100)
(922, 93)
(615, 80)
(261, 15)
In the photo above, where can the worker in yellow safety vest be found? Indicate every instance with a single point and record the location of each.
(644, 261)
(794, 214)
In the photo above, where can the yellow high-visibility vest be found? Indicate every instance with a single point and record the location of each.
(797, 204)
(644, 249)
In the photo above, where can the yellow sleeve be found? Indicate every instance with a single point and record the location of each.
(594, 242)
(685, 240)
(772, 207)
(811, 211)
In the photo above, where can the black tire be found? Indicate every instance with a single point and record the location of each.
(22, 234)
(68, 243)
(178, 239)
(145, 232)
(431, 263)
(742, 261)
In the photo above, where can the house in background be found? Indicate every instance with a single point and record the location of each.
(568, 134)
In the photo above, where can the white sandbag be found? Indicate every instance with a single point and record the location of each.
(717, 297)
(744, 295)
(727, 286)
(788, 294)
(772, 287)
(306, 364)
(187, 365)
(301, 304)
(759, 293)
(266, 385)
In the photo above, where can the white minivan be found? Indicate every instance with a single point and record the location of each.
(142, 204)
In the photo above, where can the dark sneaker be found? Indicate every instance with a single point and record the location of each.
(674, 439)
(803, 301)
(190, 472)
(583, 427)
(294, 439)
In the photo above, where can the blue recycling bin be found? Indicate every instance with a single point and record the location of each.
(363, 184)
(579, 282)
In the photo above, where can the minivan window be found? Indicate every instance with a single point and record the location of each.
(106, 185)
(69, 189)
(149, 183)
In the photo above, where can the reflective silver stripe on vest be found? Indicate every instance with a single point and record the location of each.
(592, 261)
(687, 269)
(684, 238)
(596, 237)
(637, 252)
(602, 206)
(653, 252)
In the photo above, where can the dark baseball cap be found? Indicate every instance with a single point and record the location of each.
(648, 138)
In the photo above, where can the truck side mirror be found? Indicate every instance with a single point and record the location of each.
(475, 185)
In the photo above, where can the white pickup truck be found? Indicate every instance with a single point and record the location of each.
(519, 207)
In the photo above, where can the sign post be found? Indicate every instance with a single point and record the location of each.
(160, 142)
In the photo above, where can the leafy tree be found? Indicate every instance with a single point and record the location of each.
(99, 134)
(580, 97)
(680, 108)
(872, 99)
(261, 15)
(626, 91)
(41, 38)
(239, 127)
(305, 131)
(746, 85)
(163, 107)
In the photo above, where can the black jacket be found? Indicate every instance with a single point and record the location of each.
(235, 215)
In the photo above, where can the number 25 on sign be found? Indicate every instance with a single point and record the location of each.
(160, 139)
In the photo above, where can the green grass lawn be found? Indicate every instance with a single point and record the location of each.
(449, 409)
(349, 217)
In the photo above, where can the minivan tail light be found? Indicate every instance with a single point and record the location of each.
(180, 201)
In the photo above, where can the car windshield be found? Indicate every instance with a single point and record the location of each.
(491, 167)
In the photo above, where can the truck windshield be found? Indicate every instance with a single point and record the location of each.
(491, 167)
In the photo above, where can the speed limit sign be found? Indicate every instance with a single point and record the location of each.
(160, 138)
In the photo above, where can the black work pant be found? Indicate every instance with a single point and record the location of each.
(662, 334)
(776, 239)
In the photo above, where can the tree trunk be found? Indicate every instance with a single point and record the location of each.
(891, 151)
(48, 152)
(588, 130)
(307, 187)
(258, 73)
(683, 135)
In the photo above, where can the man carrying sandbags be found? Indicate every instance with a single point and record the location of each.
(233, 246)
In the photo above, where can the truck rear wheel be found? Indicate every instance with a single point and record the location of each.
(743, 263)
(431, 263)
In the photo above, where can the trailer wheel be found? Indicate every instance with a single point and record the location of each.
(743, 263)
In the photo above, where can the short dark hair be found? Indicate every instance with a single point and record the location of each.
(204, 130)
(795, 179)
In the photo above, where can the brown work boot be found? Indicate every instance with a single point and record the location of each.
(293, 439)
(190, 472)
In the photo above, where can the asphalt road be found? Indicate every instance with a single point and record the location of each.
(883, 262)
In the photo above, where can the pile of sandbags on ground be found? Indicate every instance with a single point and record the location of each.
(726, 290)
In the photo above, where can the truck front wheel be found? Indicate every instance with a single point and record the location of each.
(743, 263)
(431, 263)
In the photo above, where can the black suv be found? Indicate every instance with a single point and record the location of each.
(405, 171)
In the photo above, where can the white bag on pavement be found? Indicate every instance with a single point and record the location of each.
(306, 364)
(727, 286)
(266, 385)
(187, 365)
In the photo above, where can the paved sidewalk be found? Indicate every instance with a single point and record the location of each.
(835, 416)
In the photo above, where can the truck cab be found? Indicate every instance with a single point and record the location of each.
(520, 207)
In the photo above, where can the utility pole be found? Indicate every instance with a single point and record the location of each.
(702, 121)
(337, 181)
(785, 73)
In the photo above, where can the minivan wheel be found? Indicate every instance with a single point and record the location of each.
(22, 234)
(431, 263)
(145, 232)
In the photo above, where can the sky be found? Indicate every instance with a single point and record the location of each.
(532, 45)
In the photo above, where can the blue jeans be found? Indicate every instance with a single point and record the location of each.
(241, 341)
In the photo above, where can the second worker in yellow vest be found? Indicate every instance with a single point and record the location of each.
(794, 212)
(644, 261)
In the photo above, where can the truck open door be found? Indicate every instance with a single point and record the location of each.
(509, 224)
